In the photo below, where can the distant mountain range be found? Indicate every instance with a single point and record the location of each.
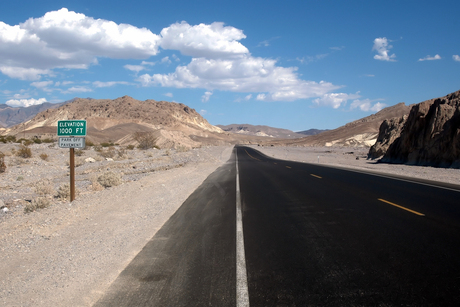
(176, 124)
(10, 116)
(246, 129)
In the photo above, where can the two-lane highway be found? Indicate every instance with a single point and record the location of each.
(313, 236)
(322, 236)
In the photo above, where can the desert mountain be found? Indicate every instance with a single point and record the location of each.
(430, 135)
(362, 132)
(246, 129)
(174, 124)
(312, 131)
(10, 116)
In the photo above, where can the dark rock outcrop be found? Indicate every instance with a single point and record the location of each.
(430, 135)
(389, 130)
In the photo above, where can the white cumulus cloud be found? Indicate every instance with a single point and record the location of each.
(135, 68)
(25, 102)
(165, 60)
(456, 57)
(109, 83)
(244, 74)
(335, 100)
(383, 48)
(210, 41)
(206, 96)
(366, 105)
(430, 58)
(77, 89)
(66, 39)
(41, 84)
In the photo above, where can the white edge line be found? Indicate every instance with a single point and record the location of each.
(242, 294)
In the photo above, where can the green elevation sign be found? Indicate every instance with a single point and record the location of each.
(71, 128)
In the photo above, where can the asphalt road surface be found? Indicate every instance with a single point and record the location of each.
(313, 236)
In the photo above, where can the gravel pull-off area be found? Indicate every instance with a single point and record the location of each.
(356, 158)
(69, 253)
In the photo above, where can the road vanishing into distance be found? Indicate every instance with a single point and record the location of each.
(266, 232)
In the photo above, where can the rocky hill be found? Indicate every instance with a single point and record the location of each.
(362, 132)
(429, 136)
(246, 129)
(174, 124)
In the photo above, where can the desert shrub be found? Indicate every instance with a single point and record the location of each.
(79, 161)
(181, 148)
(48, 140)
(24, 152)
(64, 191)
(44, 187)
(145, 140)
(37, 141)
(20, 178)
(130, 147)
(25, 142)
(107, 153)
(121, 152)
(10, 138)
(79, 152)
(2, 162)
(3, 139)
(95, 185)
(44, 156)
(37, 203)
(107, 144)
(109, 179)
(98, 148)
(89, 143)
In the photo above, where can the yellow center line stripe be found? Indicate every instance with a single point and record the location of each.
(251, 156)
(401, 207)
(288, 166)
(316, 176)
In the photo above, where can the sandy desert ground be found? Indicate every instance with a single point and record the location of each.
(67, 254)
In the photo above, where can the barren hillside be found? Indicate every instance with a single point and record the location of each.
(116, 120)
(362, 132)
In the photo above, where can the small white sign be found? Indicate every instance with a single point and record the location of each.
(72, 142)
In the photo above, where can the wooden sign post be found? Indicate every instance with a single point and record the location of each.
(72, 174)
(67, 130)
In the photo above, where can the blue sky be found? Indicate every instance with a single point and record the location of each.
(287, 64)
